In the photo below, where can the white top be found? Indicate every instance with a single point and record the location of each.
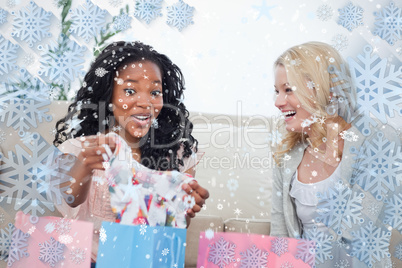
(306, 200)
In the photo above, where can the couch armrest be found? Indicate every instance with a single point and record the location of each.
(242, 225)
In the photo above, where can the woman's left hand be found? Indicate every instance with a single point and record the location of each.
(199, 193)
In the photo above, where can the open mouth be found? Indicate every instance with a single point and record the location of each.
(142, 119)
(289, 114)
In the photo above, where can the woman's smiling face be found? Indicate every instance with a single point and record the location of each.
(137, 98)
(288, 103)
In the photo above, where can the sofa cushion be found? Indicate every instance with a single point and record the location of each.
(248, 226)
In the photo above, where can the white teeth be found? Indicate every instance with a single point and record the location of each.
(289, 113)
(142, 117)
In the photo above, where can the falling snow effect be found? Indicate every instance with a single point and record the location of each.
(50, 227)
(32, 180)
(77, 255)
(88, 20)
(31, 24)
(3, 16)
(102, 235)
(8, 56)
(63, 65)
(339, 207)
(377, 89)
(148, 10)
(63, 226)
(121, 22)
(340, 42)
(306, 251)
(322, 244)
(370, 244)
(388, 23)
(180, 15)
(221, 253)
(275, 137)
(254, 257)
(376, 166)
(350, 16)
(19, 246)
(324, 12)
(6, 235)
(280, 246)
(393, 212)
(51, 252)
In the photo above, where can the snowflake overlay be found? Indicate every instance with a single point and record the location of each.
(8, 55)
(50, 227)
(398, 251)
(377, 89)
(88, 20)
(306, 251)
(31, 24)
(393, 212)
(6, 235)
(254, 257)
(389, 23)
(3, 16)
(342, 264)
(77, 255)
(370, 244)
(33, 180)
(148, 10)
(280, 246)
(322, 244)
(63, 226)
(64, 65)
(102, 235)
(180, 15)
(275, 137)
(19, 246)
(324, 12)
(350, 16)
(339, 207)
(287, 264)
(51, 251)
(121, 22)
(376, 166)
(221, 253)
(340, 42)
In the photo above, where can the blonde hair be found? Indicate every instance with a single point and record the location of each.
(319, 77)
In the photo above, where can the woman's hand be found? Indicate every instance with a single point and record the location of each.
(199, 193)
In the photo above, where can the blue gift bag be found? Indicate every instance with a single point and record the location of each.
(140, 246)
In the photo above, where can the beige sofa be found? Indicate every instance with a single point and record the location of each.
(236, 169)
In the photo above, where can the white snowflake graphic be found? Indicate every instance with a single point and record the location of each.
(6, 235)
(376, 166)
(31, 24)
(324, 12)
(148, 10)
(180, 15)
(339, 207)
(77, 255)
(393, 212)
(18, 247)
(121, 22)
(349, 135)
(88, 20)
(2, 217)
(165, 251)
(63, 226)
(50, 227)
(102, 235)
(51, 251)
(209, 234)
(287, 264)
(115, 3)
(322, 242)
(221, 253)
(373, 209)
(65, 64)
(143, 229)
(31, 230)
(306, 251)
(350, 16)
(253, 257)
(377, 88)
(340, 42)
(388, 23)
(189, 201)
(65, 239)
(275, 137)
(100, 72)
(280, 246)
(232, 184)
(342, 264)
(398, 251)
(29, 59)
(3, 16)
(33, 180)
(370, 244)
(8, 56)
(2, 136)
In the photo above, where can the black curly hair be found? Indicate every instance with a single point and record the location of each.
(92, 105)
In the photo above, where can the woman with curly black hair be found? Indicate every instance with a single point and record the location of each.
(136, 92)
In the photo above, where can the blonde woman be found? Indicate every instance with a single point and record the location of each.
(318, 190)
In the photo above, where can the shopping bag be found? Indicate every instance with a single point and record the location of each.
(253, 250)
(140, 246)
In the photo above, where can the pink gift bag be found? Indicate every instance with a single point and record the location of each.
(253, 250)
(50, 242)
